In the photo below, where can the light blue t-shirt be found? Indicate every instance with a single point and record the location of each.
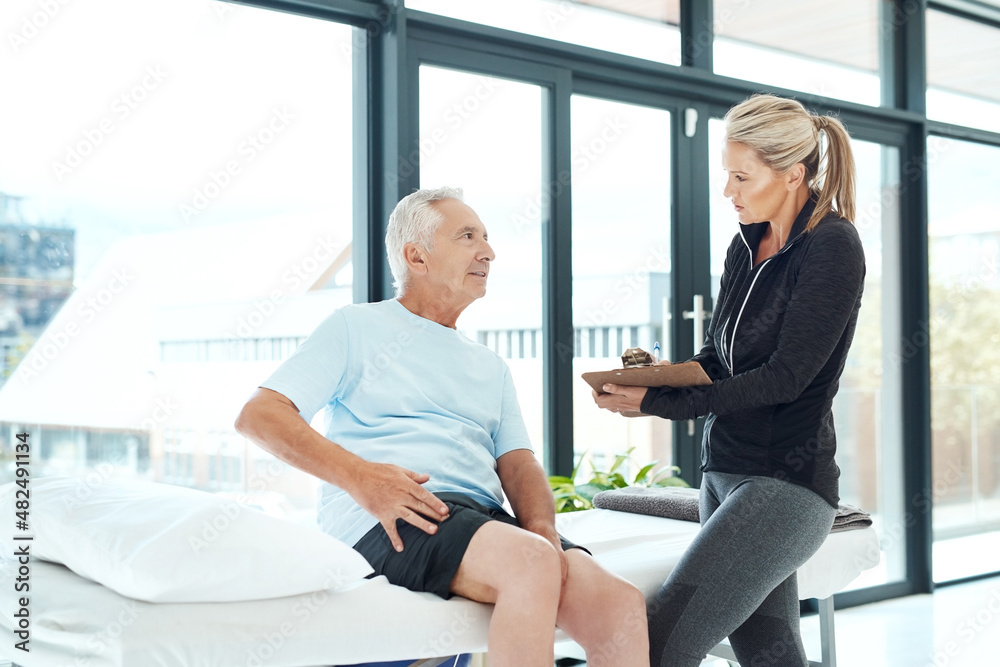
(401, 389)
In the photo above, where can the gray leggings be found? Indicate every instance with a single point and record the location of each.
(737, 579)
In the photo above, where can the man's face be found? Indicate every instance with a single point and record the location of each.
(459, 264)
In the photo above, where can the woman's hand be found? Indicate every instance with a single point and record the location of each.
(619, 398)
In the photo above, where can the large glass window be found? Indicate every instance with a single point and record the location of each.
(818, 47)
(621, 264)
(964, 335)
(172, 223)
(867, 409)
(963, 71)
(484, 134)
(646, 30)
(867, 412)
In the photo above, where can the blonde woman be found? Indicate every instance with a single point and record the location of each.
(775, 350)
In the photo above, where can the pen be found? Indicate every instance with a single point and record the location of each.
(656, 351)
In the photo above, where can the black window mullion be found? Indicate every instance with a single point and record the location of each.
(697, 33)
(557, 276)
(386, 168)
(908, 30)
(690, 259)
(915, 370)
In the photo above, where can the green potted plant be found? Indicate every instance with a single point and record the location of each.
(573, 497)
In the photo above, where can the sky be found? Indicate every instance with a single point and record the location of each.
(132, 116)
(121, 113)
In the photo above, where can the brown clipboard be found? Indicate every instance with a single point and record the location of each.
(686, 374)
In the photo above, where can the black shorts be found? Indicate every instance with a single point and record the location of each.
(428, 562)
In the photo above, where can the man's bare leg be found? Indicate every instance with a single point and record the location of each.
(519, 572)
(603, 613)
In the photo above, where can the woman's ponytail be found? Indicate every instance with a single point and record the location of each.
(835, 183)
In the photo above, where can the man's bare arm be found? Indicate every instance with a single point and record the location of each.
(385, 491)
(527, 487)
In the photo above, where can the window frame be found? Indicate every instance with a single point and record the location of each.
(392, 41)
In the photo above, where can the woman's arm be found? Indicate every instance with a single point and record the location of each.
(622, 399)
(820, 307)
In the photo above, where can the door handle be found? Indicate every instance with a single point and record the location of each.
(698, 314)
(665, 350)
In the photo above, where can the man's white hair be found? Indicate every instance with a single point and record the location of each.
(414, 220)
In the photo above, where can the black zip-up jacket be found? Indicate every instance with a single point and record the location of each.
(775, 350)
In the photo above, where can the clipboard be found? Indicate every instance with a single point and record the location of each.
(686, 374)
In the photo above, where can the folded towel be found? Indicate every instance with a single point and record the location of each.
(850, 517)
(675, 502)
(671, 502)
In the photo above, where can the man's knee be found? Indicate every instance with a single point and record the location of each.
(502, 558)
(532, 553)
(526, 559)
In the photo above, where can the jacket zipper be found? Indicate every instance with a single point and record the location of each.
(732, 339)
(759, 268)
(708, 443)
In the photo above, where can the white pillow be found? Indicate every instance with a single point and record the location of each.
(163, 543)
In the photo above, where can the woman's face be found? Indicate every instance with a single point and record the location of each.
(757, 192)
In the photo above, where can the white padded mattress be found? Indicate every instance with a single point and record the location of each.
(75, 621)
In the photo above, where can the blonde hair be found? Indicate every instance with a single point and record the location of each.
(782, 133)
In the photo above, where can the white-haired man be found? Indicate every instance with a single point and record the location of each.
(425, 437)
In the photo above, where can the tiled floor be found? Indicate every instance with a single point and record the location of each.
(957, 626)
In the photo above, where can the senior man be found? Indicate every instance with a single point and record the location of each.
(425, 437)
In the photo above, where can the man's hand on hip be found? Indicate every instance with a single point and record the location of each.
(389, 492)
